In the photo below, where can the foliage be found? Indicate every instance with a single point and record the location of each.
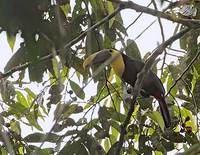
(86, 124)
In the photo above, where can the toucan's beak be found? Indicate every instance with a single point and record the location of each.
(97, 58)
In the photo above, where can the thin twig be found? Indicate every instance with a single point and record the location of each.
(179, 109)
(109, 92)
(71, 43)
(192, 23)
(186, 69)
(177, 50)
(163, 36)
(145, 30)
(136, 18)
(98, 100)
(159, 21)
(173, 55)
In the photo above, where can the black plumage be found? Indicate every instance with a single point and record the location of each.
(151, 84)
(127, 69)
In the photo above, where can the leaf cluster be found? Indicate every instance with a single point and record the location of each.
(84, 123)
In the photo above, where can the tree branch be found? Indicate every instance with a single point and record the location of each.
(122, 5)
(69, 44)
(138, 83)
(139, 8)
(187, 68)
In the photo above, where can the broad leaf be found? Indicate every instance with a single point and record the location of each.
(77, 89)
(157, 117)
(132, 49)
(40, 137)
(22, 99)
(11, 38)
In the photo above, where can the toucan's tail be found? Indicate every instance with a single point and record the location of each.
(165, 112)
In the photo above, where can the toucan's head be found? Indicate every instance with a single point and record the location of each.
(106, 56)
(98, 57)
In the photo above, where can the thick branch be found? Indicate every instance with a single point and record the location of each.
(122, 5)
(139, 81)
(139, 8)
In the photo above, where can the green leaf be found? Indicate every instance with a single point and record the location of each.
(72, 109)
(132, 49)
(17, 59)
(132, 150)
(22, 99)
(60, 108)
(88, 105)
(108, 112)
(110, 9)
(65, 110)
(64, 73)
(143, 148)
(106, 144)
(55, 92)
(66, 9)
(164, 75)
(157, 117)
(94, 41)
(32, 120)
(170, 82)
(3, 151)
(116, 126)
(98, 8)
(77, 89)
(189, 106)
(184, 40)
(110, 33)
(74, 147)
(107, 42)
(114, 135)
(196, 93)
(15, 126)
(17, 108)
(55, 67)
(30, 93)
(194, 78)
(40, 137)
(116, 103)
(46, 151)
(113, 149)
(11, 38)
(91, 124)
(119, 26)
(191, 138)
(68, 122)
(194, 149)
(168, 145)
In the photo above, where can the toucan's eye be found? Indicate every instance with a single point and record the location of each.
(110, 51)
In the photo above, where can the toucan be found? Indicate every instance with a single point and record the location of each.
(127, 69)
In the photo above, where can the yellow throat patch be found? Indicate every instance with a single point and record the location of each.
(118, 63)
